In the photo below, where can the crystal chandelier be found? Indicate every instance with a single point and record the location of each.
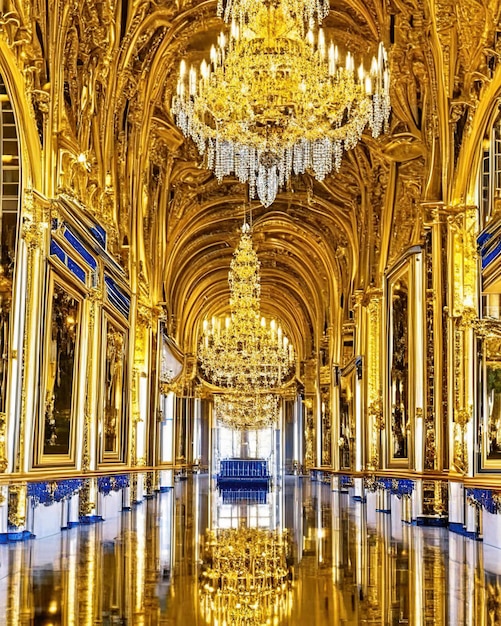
(243, 11)
(271, 103)
(247, 581)
(252, 411)
(244, 351)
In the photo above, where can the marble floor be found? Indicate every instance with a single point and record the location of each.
(300, 555)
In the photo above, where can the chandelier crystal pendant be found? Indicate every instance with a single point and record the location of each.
(244, 351)
(243, 11)
(271, 103)
(253, 411)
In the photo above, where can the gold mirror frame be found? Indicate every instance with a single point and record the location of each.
(63, 330)
(400, 368)
(347, 419)
(113, 405)
(491, 404)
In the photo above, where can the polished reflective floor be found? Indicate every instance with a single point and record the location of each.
(300, 555)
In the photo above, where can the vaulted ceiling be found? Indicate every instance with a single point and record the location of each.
(109, 69)
(312, 242)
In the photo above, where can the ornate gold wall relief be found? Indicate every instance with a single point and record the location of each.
(88, 34)
(462, 417)
(17, 506)
(86, 497)
(433, 369)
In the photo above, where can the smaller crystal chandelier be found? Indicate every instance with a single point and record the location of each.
(244, 351)
(271, 102)
(246, 412)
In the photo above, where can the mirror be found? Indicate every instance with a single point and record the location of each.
(492, 402)
(60, 358)
(114, 385)
(326, 426)
(346, 439)
(398, 406)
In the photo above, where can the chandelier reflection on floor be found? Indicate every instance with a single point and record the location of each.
(252, 411)
(271, 102)
(246, 579)
(245, 352)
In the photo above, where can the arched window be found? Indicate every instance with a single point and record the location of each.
(490, 182)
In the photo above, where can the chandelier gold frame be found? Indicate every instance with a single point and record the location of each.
(271, 102)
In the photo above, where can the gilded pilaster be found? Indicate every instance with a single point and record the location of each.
(436, 279)
(462, 230)
(310, 424)
(33, 244)
(374, 385)
(3, 443)
(140, 385)
(360, 336)
(89, 460)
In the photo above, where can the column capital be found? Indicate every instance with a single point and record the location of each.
(439, 212)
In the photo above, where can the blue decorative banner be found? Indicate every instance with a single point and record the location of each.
(489, 500)
(107, 484)
(48, 492)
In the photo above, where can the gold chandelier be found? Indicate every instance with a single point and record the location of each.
(271, 102)
(247, 582)
(253, 411)
(244, 352)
